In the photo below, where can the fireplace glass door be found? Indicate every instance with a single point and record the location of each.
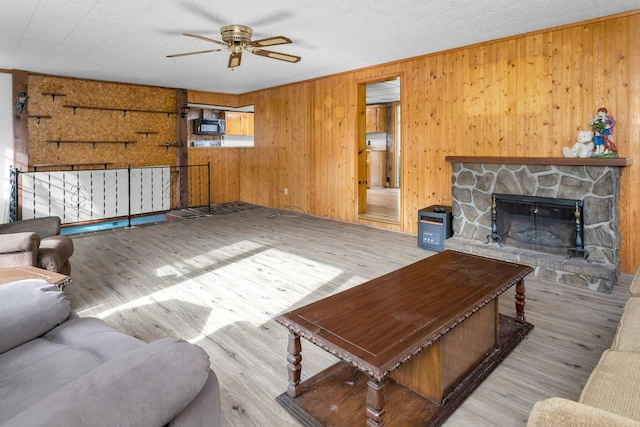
(538, 223)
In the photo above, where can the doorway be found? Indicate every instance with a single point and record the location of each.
(379, 150)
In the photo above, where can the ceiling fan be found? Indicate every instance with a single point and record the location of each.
(237, 38)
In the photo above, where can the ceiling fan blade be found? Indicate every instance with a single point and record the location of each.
(207, 39)
(276, 55)
(201, 12)
(234, 59)
(193, 53)
(271, 41)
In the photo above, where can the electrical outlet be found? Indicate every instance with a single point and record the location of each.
(286, 191)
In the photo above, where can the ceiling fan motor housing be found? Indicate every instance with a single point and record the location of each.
(236, 34)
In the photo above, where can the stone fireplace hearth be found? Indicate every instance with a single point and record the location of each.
(595, 182)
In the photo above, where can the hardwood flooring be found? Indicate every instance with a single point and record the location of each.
(383, 204)
(219, 282)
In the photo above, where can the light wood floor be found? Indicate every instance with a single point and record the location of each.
(383, 204)
(220, 281)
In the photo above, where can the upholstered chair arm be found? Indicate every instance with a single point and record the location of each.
(19, 249)
(146, 386)
(567, 413)
(29, 309)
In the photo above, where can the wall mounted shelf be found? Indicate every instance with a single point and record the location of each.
(39, 117)
(146, 132)
(169, 144)
(53, 95)
(79, 141)
(70, 165)
(124, 110)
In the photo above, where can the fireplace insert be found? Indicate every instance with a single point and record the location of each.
(538, 223)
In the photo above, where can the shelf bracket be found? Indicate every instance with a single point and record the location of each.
(53, 95)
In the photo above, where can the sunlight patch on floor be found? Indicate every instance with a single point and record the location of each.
(265, 282)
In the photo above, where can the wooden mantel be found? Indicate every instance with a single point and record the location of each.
(558, 161)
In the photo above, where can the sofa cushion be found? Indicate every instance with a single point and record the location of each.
(32, 371)
(614, 385)
(147, 386)
(634, 289)
(628, 334)
(54, 252)
(19, 242)
(19, 249)
(93, 336)
(205, 409)
(37, 369)
(28, 309)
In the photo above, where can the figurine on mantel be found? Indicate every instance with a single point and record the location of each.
(583, 147)
(603, 125)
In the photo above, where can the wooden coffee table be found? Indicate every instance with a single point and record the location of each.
(13, 274)
(413, 343)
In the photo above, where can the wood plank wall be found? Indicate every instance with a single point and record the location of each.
(522, 96)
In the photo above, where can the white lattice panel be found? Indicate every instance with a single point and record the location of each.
(78, 196)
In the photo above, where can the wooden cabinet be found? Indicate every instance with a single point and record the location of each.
(238, 123)
(376, 168)
(376, 118)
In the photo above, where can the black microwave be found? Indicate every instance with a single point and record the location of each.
(208, 127)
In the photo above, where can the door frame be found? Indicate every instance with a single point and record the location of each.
(361, 175)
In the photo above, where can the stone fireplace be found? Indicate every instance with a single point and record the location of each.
(527, 188)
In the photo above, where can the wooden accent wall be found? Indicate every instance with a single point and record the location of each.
(225, 172)
(522, 96)
(58, 122)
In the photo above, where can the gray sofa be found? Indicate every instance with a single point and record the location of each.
(57, 369)
(35, 242)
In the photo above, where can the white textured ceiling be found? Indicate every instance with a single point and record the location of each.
(128, 40)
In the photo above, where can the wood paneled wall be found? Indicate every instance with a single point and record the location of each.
(225, 173)
(522, 96)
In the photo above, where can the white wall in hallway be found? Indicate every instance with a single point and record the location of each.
(6, 142)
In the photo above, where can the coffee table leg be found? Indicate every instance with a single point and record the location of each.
(375, 403)
(294, 368)
(520, 302)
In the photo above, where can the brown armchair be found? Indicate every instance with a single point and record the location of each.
(35, 242)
